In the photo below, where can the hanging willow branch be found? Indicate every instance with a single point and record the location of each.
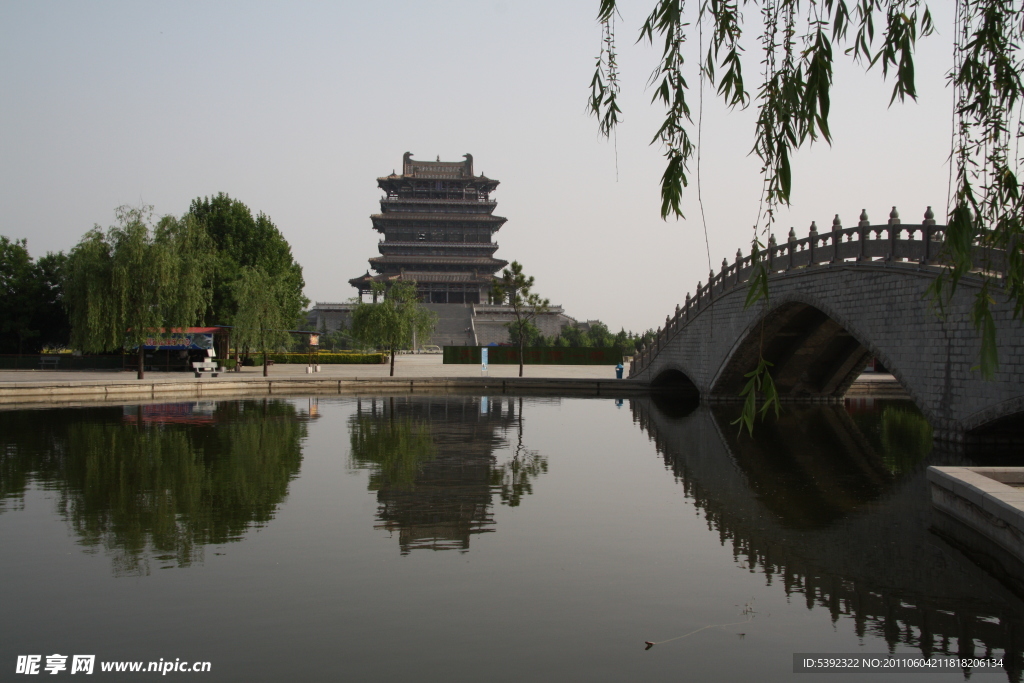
(986, 207)
(797, 46)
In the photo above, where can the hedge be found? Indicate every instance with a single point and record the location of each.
(65, 361)
(329, 358)
(534, 355)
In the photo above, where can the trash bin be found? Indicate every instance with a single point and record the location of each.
(618, 371)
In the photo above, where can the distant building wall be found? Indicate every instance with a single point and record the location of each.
(490, 323)
(458, 324)
(332, 316)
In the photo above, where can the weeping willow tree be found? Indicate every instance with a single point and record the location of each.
(261, 321)
(797, 41)
(133, 280)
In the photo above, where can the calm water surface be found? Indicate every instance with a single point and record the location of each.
(483, 538)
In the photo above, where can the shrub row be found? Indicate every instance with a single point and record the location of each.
(327, 358)
(535, 355)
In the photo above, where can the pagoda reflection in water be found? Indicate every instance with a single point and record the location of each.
(434, 463)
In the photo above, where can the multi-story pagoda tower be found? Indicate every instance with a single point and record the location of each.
(437, 223)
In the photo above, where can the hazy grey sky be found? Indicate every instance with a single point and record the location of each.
(296, 108)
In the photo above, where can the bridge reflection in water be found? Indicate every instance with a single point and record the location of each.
(833, 505)
(437, 463)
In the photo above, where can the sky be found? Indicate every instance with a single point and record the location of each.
(295, 108)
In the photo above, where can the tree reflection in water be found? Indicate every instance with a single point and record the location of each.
(155, 482)
(832, 502)
(433, 464)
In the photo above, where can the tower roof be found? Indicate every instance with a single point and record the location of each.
(413, 169)
(438, 168)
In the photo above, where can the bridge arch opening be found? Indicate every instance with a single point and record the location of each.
(674, 394)
(811, 354)
(1008, 429)
(674, 381)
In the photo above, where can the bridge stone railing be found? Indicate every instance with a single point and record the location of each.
(866, 244)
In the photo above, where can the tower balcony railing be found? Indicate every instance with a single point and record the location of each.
(426, 200)
(429, 244)
(893, 245)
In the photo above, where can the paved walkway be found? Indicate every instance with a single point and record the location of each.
(406, 365)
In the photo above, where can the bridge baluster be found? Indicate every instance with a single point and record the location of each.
(739, 266)
(772, 246)
(812, 242)
(837, 238)
(711, 285)
(791, 247)
(926, 235)
(862, 234)
(894, 221)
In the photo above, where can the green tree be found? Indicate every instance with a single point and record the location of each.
(600, 336)
(50, 315)
(16, 284)
(530, 331)
(242, 241)
(645, 338)
(333, 341)
(622, 339)
(124, 284)
(574, 337)
(393, 323)
(514, 289)
(32, 314)
(793, 99)
(261, 319)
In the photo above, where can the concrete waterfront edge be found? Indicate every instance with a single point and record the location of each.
(28, 393)
(75, 391)
(983, 499)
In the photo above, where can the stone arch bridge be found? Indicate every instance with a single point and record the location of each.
(837, 299)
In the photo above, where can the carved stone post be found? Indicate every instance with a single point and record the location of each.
(812, 242)
(792, 247)
(863, 231)
(894, 231)
(926, 235)
(837, 238)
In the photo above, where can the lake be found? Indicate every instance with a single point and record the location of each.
(497, 538)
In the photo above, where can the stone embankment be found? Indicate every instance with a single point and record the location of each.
(37, 388)
(177, 390)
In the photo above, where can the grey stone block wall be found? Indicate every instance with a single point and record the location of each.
(888, 310)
